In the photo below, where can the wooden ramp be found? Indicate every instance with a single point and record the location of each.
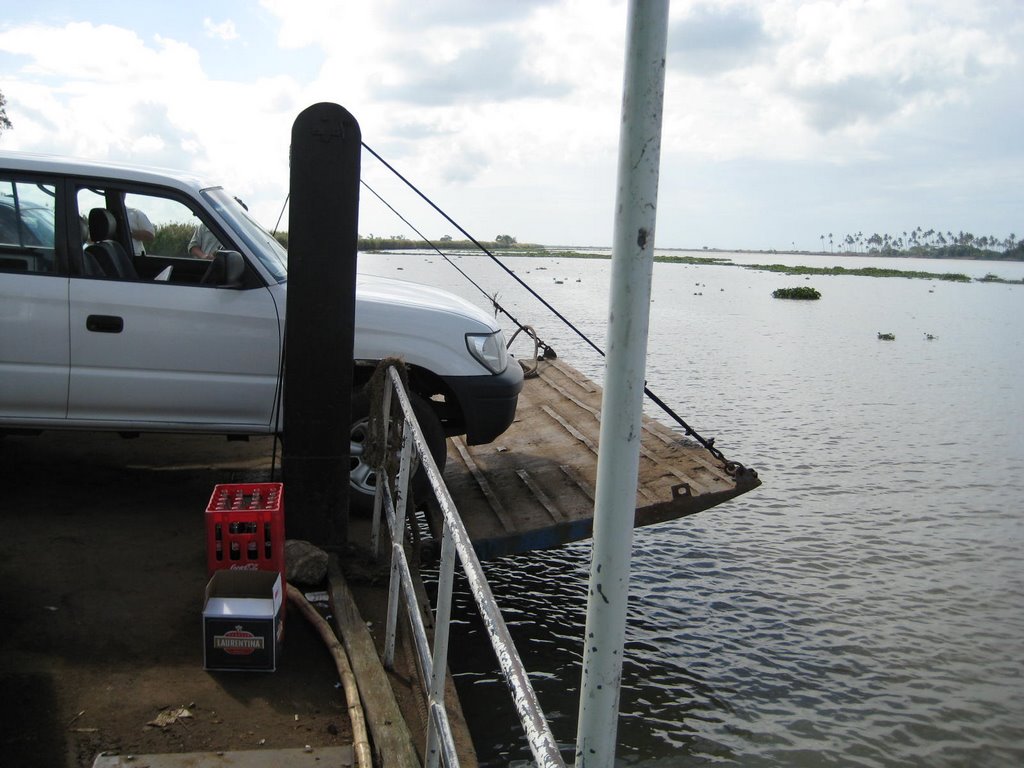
(534, 487)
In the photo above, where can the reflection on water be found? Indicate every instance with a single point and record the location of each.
(865, 606)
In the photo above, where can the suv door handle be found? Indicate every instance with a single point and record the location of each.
(104, 323)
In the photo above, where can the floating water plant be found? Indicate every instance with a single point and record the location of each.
(804, 292)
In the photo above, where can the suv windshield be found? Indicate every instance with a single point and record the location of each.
(262, 244)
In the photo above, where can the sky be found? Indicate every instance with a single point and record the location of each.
(783, 121)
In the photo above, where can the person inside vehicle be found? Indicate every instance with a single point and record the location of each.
(143, 232)
(203, 243)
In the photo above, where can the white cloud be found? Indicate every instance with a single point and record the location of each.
(146, 102)
(223, 30)
(822, 81)
(509, 111)
(867, 63)
(715, 38)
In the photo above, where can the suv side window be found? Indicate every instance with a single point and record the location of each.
(27, 215)
(138, 235)
(172, 225)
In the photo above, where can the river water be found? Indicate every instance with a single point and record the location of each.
(865, 605)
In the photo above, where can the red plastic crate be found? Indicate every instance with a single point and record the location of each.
(245, 528)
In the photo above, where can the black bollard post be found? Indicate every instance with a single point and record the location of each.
(322, 243)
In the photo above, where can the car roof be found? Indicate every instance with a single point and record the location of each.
(58, 165)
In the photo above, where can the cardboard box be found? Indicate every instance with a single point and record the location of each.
(243, 621)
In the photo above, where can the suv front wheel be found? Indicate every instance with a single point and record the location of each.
(363, 476)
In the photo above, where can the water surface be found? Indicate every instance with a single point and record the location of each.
(865, 605)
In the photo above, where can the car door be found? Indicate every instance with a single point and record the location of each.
(164, 350)
(33, 304)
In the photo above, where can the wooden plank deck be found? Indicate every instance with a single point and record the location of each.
(534, 487)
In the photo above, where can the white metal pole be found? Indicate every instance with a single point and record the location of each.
(622, 408)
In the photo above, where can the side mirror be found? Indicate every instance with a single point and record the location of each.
(225, 270)
(234, 268)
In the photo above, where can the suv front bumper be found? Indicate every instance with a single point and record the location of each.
(488, 403)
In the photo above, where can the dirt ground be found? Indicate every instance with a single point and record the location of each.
(102, 578)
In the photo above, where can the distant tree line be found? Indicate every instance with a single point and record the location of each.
(401, 242)
(172, 240)
(369, 243)
(5, 122)
(929, 243)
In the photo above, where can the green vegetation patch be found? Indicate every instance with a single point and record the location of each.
(712, 260)
(862, 272)
(990, 278)
(534, 251)
(804, 292)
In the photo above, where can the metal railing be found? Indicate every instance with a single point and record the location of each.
(455, 543)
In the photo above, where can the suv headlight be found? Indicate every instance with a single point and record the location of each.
(489, 349)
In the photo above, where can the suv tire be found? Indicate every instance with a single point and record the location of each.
(363, 476)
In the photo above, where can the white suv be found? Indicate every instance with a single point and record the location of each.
(101, 330)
